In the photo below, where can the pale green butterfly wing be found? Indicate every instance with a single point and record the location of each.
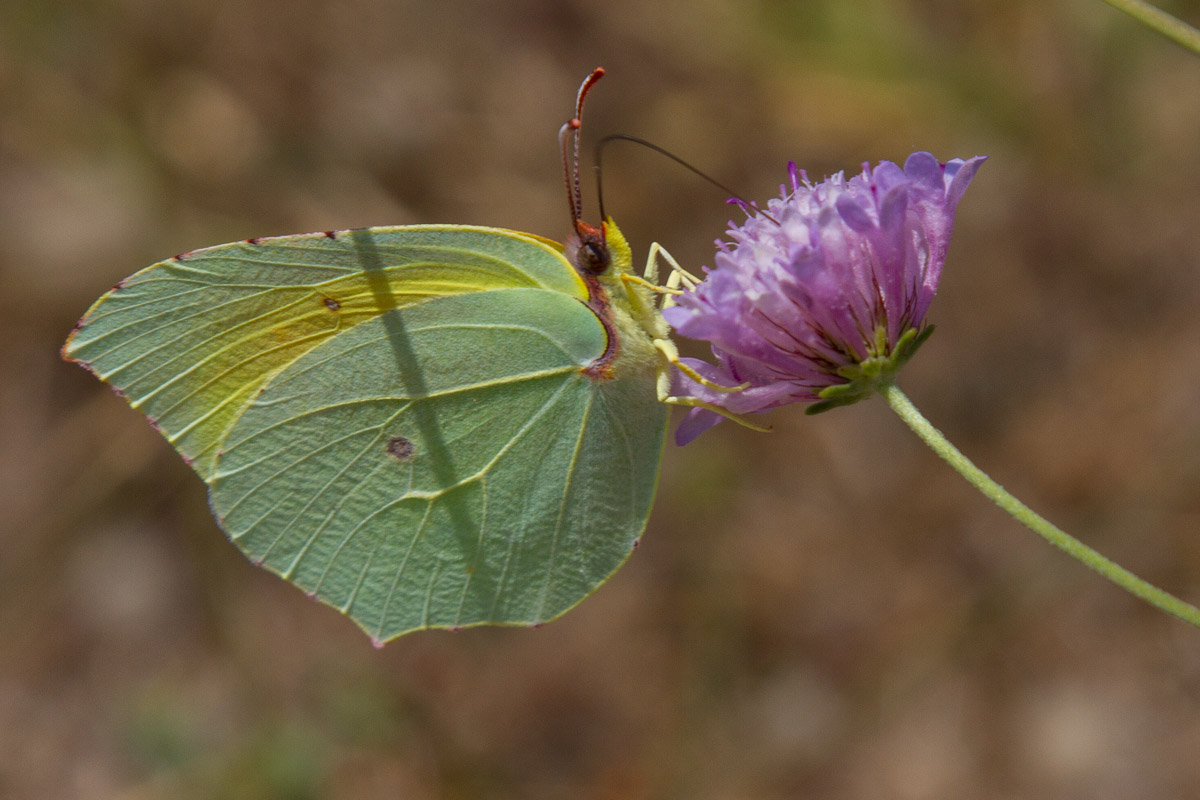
(401, 421)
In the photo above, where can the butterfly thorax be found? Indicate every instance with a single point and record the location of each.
(604, 261)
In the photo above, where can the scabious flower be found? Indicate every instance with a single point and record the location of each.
(823, 297)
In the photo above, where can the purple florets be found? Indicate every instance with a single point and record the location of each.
(823, 296)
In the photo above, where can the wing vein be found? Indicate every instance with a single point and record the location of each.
(562, 507)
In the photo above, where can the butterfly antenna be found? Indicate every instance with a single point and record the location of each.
(568, 141)
(749, 208)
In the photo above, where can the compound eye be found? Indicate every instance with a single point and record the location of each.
(594, 257)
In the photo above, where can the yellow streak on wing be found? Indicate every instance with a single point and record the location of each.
(194, 372)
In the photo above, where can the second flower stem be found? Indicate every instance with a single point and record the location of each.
(1155, 18)
(1025, 515)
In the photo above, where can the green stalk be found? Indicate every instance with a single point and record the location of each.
(1048, 531)
(1155, 18)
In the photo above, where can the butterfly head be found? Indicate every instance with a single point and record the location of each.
(587, 248)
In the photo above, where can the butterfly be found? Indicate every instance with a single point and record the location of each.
(426, 426)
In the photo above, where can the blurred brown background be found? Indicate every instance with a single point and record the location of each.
(825, 611)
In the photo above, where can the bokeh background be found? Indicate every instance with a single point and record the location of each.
(825, 611)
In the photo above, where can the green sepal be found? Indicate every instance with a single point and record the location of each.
(864, 378)
(908, 345)
(821, 407)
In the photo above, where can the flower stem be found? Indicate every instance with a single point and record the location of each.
(1175, 29)
(1047, 530)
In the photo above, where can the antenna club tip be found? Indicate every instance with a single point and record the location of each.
(585, 87)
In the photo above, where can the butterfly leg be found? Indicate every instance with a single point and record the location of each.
(649, 278)
(635, 280)
(671, 354)
(678, 277)
(664, 396)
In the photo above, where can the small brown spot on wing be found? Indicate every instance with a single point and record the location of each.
(400, 448)
(331, 234)
(331, 304)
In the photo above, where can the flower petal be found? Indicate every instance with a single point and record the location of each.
(697, 421)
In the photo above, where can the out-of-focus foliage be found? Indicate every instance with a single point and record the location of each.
(822, 611)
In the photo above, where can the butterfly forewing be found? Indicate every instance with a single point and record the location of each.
(190, 340)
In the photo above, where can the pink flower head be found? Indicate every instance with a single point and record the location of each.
(823, 297)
